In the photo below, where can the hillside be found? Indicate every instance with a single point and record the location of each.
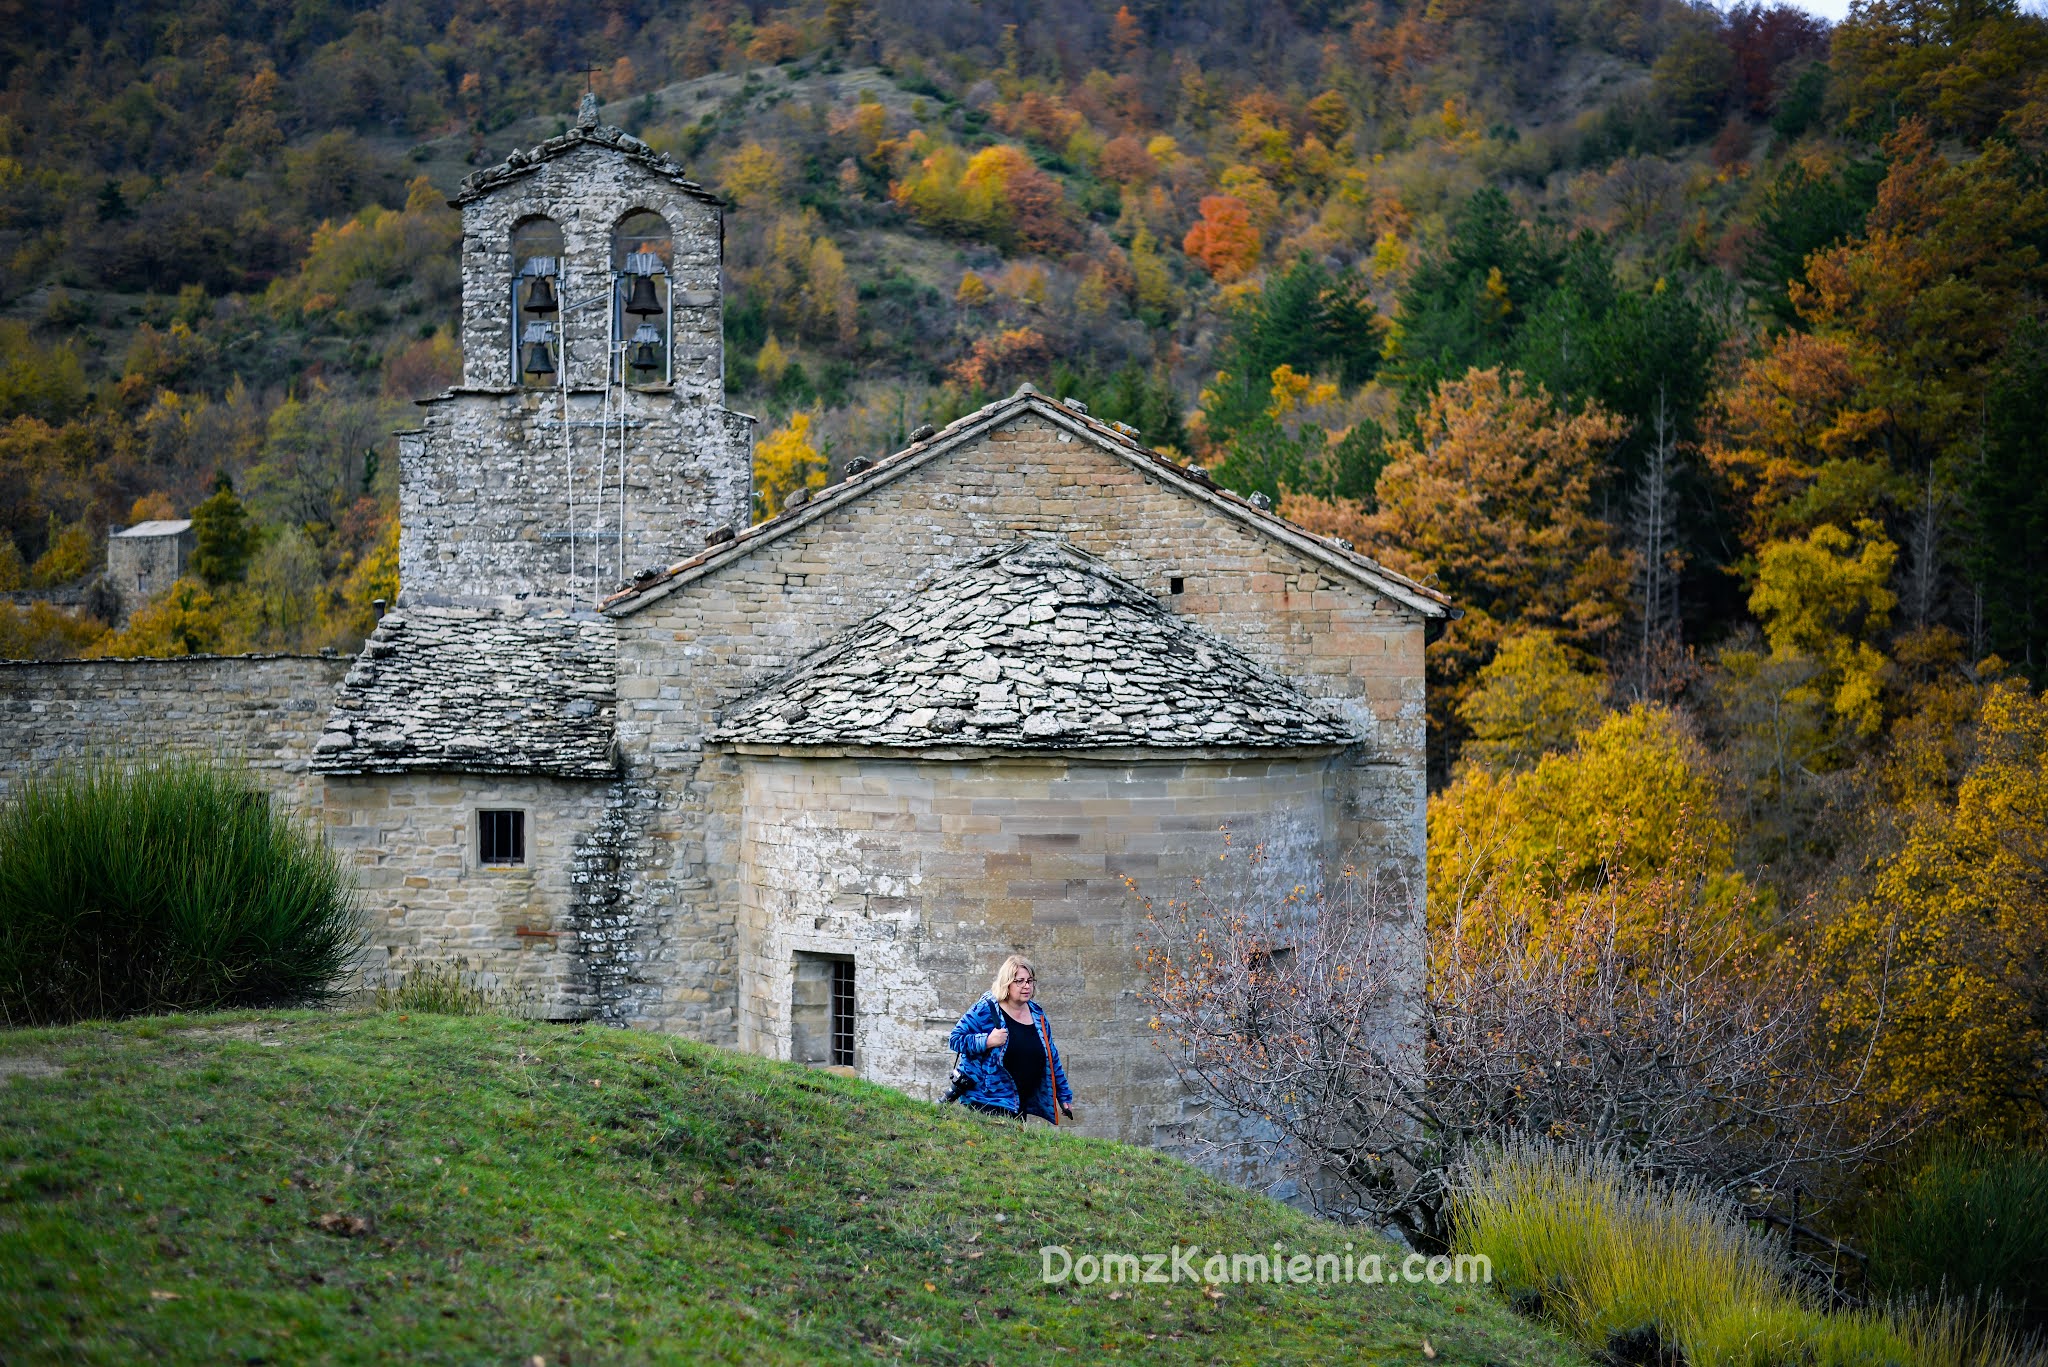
(311, 1187)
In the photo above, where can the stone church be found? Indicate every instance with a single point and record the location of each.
(798, 786)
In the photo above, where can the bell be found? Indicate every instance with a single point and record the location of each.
(642, 299)
(540, 359)
(646, 340)
(540, 296)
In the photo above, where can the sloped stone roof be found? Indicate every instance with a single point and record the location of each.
(1036, 646)
(159, 527)
(478, 690)
(1341, 556)
(587, 130)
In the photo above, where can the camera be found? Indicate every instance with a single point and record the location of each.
(958, 1085)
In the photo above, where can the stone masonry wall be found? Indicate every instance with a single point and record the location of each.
(485, 488)
(413, 841)
(508, 491)
(586, 191)
(140, 567)
(709, 643)
(926, 873)
(262, 710)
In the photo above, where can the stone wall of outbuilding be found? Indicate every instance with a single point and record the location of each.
(524, 930)
(264, 711)
(712, 641)
(140, 567)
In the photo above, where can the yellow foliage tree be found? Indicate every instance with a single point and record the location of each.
(39, 631)
(973, 291)
(378, 248)
(1532, 698)
(828, 298)
(803, 282)
(757, 176)
(1389, 257)
(1635, 796)
(351, 613)
(785, 461)
(284, 585)
(186, 619)
(1822, 597)
(1251, 189)
(73, 553)
(1153, 280)
(772, 361)
(1955, 934)
(1094, 296)
(1292, 391)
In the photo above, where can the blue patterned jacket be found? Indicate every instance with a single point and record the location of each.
(993, 1085)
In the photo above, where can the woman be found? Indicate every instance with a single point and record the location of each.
(1006, 1049)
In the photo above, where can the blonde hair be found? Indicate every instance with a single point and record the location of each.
(1007, 974)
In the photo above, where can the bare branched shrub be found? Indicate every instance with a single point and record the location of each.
(1639, 1014)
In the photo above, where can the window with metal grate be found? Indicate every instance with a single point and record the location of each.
(500, 837)
(842, 1013)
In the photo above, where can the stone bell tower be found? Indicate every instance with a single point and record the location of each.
(589, 438)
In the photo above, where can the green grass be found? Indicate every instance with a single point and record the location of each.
(169, 886)
(1629, 1267)
(306, 1187)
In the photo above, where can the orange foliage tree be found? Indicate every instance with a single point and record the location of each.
(1933, 288)
(1009, 352)
(1223, 240)
(1792, 436)
(1492, 499)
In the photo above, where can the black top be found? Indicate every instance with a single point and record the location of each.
(1025, 1059)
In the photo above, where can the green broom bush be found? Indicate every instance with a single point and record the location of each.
(1973, 1221)
(167, 886)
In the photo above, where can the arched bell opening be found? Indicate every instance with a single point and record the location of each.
(643, 250)
(536, 302)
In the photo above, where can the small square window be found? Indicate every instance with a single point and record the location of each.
(501, 837)
(1176, 584)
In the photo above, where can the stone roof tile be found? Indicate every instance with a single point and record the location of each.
(1035, 646)
(477, 690)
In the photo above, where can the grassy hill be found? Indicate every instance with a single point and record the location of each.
(305, 1187)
